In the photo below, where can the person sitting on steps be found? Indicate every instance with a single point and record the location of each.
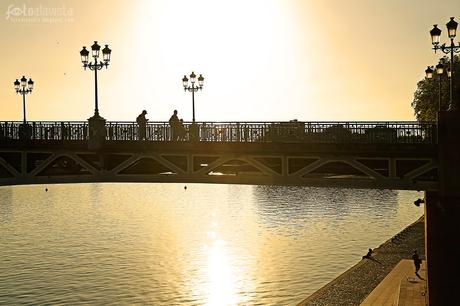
(369, 256)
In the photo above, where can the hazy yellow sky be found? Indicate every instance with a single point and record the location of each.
(262, 59)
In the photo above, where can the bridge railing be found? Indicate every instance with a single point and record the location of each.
(292, 131)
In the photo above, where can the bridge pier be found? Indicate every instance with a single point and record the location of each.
(442, 213)
(442, 243)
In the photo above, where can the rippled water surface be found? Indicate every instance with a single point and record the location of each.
(161, 244)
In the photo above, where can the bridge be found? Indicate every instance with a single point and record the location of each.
(394, 155)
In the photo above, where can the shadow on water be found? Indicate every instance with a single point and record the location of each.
(282, 205)
(6, 209)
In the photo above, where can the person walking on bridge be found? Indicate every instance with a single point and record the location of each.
(142, 122)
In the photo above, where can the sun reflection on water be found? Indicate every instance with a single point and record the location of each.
(220, 287)
(221, 280)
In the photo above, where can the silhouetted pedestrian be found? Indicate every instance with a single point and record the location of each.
(142, 122)
(181, 129)
(63, 131)
(174, 124)
(417, 262)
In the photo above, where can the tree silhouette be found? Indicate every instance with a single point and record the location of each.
(425, 101)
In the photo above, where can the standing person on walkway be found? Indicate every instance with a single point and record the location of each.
(174, 124)
(142, 122)
(417, 262)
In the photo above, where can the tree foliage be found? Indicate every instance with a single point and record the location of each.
(426, 96)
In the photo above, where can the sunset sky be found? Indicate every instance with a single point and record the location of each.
(262, 59)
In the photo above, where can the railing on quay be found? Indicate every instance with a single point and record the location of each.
(291, 132)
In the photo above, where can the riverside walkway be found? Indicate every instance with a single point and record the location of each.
(400, 287)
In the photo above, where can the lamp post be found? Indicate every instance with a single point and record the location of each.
(95, 65)
(439, 68)
(439, 71)
(20, 88)
(96, 123)
(193, 88)
(435, 35)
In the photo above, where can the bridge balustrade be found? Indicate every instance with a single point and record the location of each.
(292, 132)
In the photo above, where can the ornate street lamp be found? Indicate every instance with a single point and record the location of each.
(24, 87)
(96, 124)
(439, 68)
(193, 88)
(435, 36)
(95, 65)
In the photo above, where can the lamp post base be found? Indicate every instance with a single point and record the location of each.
(97, 132)
(25, 131)
(194, 132)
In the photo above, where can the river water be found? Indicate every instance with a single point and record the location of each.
(163, 244)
